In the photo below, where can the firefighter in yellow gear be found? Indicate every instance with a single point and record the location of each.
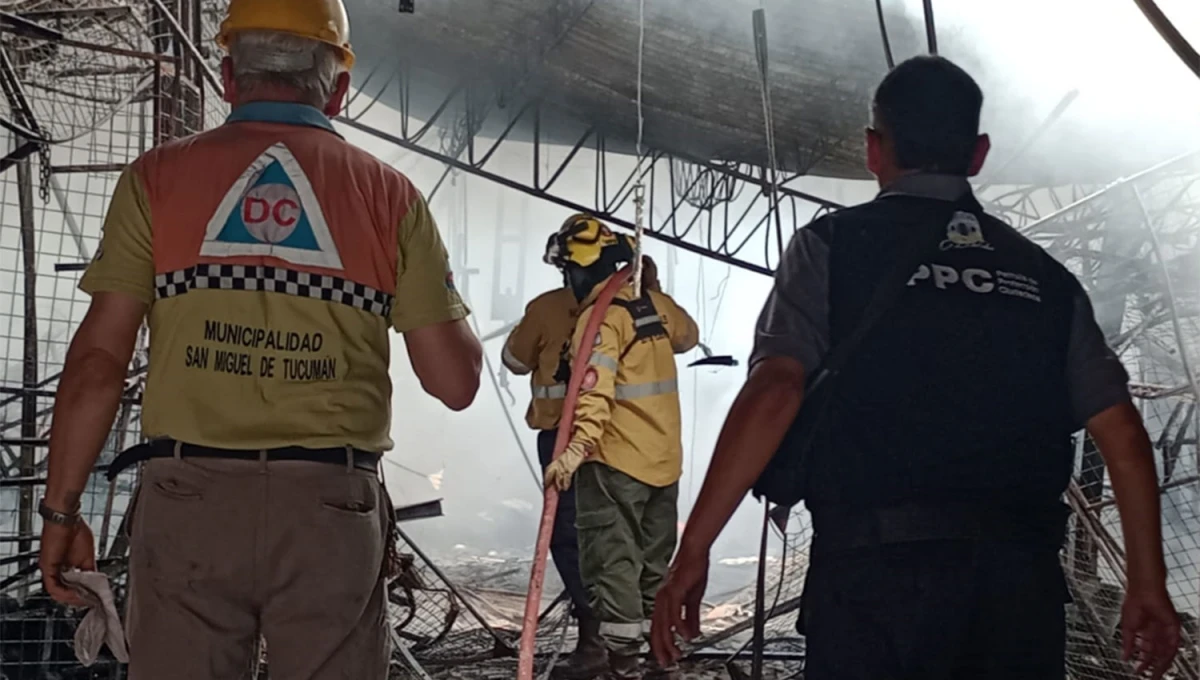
(625, 454)
(538, 346)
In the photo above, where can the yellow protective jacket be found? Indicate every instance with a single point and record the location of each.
(627, 415)
(538, 345)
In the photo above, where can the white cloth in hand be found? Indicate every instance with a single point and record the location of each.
(102, 623)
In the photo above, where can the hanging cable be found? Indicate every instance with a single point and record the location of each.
(639, 189)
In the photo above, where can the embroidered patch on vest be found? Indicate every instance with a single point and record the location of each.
(271, 210)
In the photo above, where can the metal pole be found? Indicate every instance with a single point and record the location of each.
(930, 30)
(887, 44)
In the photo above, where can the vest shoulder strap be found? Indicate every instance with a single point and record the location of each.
(646, 321)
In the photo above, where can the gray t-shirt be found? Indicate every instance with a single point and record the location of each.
(795, 319)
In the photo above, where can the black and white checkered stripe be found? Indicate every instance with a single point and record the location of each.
(276, 280)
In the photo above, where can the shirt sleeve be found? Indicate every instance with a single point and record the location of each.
(425, 292)
(794, 322)
(124, 260)
(520, 353)
(1096, 378)
(681, 327)
(593, 410)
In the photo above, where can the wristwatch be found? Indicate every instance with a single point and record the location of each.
(55, 517)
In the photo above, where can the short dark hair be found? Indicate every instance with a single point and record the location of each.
(929, 108)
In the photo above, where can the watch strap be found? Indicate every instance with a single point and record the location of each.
(56, 516)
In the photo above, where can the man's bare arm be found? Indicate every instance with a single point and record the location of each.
(89, 393)
(756, 424)
(1121, 437)
(447, 359)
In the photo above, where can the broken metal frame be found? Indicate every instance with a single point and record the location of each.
(718, 234)
(721, 232)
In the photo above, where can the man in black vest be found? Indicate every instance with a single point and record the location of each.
(936, 475)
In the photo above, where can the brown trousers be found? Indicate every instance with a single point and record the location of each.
(223, 551)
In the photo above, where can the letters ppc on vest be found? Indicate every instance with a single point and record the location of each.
(959, 392)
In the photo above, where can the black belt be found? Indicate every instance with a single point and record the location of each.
(838, 531)
(165, 448)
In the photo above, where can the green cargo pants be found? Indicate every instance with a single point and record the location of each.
(627, 534)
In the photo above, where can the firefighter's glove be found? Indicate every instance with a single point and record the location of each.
(560, 472)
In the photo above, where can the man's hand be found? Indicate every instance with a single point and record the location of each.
(1149, 629)
(677, 606)
(560, 472)
(64, 548)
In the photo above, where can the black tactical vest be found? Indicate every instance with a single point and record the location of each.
(960, 393)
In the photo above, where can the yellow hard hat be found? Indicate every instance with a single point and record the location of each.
(582, 240)
(323, 20)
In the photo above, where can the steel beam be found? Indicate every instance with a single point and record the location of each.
(719, 211)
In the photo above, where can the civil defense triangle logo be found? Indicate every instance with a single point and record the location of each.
(272, 210)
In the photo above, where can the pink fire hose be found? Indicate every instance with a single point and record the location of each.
(537, 575)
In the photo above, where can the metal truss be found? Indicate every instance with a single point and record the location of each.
(722, 211)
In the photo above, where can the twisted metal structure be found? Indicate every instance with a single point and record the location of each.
(88, 85)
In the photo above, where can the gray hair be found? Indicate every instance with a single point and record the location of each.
(308, 66)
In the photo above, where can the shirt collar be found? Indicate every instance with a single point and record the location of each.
(929, 185)
(288, 113)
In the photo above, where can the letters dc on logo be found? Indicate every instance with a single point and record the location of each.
(271, 210)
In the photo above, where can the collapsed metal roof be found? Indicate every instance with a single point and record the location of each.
(701, 85)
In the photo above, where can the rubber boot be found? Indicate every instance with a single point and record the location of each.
(589, 660)
(624, 667)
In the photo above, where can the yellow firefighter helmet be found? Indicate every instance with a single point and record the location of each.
(321, 20)
(583, 240)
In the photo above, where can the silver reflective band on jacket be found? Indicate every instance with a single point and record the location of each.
(507, 358)
(604, 361)
(653, 389)
(556, 391)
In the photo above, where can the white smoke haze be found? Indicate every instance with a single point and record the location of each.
(1135, 95)
(1137, 104)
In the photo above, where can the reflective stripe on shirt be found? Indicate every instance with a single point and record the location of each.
(653, 389)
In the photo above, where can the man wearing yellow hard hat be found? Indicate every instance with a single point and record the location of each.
(625, 453)
(270, 257)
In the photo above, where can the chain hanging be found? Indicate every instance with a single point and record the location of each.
(44, 172)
